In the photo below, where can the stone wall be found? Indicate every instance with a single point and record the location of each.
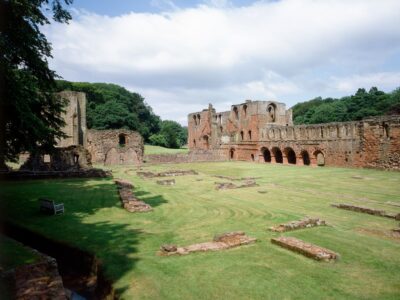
(193, 156)
(372, 142)
(75, 119)
(115, 147)
(61, 159)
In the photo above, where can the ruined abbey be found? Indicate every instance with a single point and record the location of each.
(83, 146)
(263, 131)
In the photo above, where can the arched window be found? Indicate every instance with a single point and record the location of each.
(235, 110)
(249, 135)
(198, 119)
(271, 113)
(122, 140)
(252, 157)
(206, 144)
(194, 143)
(241, 135)
(221, 129)
(245, 110)
(195, 119)
(231, 153)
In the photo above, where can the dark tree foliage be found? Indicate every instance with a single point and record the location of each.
(351, 108)
(113, 107)
(171, 135)
(30, 114)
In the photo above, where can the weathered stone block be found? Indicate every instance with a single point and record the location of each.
(306, 249)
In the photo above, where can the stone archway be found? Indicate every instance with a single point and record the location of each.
(266, 154)
(112, 157)
(305, 157)
(278, 155)
(320, 158)
(130, 157)
(290, 155)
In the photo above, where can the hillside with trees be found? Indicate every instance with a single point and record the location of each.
(110, 106)
(350, 108)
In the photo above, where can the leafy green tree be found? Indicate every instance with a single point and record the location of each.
(356, 107)
(30, 114)
(112, 107)
(171, 135)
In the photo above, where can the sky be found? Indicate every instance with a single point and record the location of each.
(182, 55)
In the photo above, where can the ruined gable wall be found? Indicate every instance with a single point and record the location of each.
(104, 146)
(75, 119)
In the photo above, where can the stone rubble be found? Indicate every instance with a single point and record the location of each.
(39, 281)
(169, 173)
(367, 210)
(305, 223)
(230, 185)
(166, 182)
(306, 249)
(220, 242)
(128, 199)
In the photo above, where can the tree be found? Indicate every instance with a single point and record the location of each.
(30, 113)
(111, 106)
(171, 135)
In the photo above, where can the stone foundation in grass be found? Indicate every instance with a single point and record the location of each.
(230, 185)
(220, 242)
(39, 281)
(128, 199)
(305, 223)
(367, 210)
(306, 249)
(169, 173)
(166, 182)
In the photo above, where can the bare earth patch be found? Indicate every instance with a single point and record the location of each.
(220, 242)
(306, 249)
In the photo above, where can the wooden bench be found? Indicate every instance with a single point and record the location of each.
(49, 206)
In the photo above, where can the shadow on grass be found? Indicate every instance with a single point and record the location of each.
(91, 222)
(153, 200)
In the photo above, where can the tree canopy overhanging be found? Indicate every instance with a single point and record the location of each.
(30, 113)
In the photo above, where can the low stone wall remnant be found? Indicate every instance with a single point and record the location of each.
(367, 210)
(129, 201)
(166, 182)
(169, 173)
(220, 242)
(230, 185)
(305, 223)
(306, 249)
(25, 175)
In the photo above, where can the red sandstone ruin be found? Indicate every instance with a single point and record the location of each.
(263, 131)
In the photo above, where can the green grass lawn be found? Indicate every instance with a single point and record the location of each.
(193, 211)
(149, 149)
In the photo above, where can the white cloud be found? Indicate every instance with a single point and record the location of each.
(184, 58)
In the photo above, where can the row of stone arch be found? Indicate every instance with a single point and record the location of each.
(288, 155)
